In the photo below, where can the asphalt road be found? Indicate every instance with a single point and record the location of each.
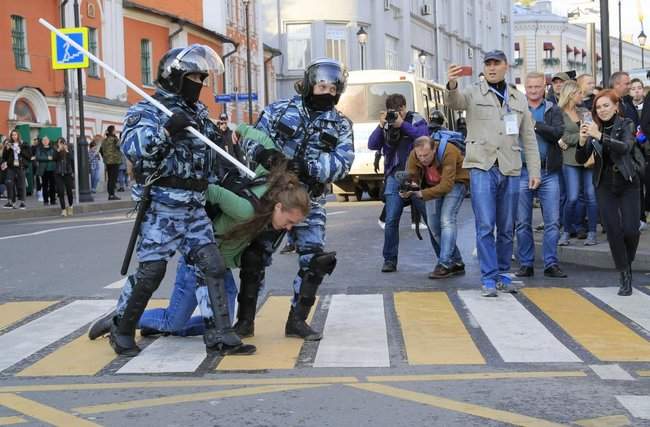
(421, 352)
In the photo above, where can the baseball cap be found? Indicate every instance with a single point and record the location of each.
(496, 55)
(561, 76)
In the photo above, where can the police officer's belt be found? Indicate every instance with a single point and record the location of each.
(175, 182)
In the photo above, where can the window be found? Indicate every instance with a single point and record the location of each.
(24, 111)
(363, 102)
(517, 51)
(298, 46)
(19, 42)
(145, 62)
(392, 54)
(93, 69)
(336, 46)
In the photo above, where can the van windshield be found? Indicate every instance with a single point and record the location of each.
(363, 102)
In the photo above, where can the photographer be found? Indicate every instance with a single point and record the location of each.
(442, 185)
(397, 130)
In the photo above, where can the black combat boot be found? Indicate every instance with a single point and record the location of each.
(625, 288)
(245, 325)
(101, 326)
(251, 276)
(297, 321)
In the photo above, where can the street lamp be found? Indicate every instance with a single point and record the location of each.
(362, 37)
(248, 64)
(422, 57)
(642, 39)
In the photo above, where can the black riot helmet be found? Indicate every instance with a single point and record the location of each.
(323, 70)
(436, 119)
(178, 62)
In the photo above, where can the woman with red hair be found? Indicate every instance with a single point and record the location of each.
(610, 139)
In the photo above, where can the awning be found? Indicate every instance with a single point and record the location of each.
(548, 46)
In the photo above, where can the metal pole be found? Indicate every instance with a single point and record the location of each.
(642, 60)
(362, 55)
(148, 97)
(620, 39)
(591, 42)
(604, 41)
(66, 84)
(75, 143)
(82, 145)
(248, 68)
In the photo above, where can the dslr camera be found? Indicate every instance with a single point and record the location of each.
(391, 117)
(406, 183)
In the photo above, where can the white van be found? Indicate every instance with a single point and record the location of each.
(362, 102)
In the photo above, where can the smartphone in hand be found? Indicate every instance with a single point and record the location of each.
(466, 70)
(586, 117)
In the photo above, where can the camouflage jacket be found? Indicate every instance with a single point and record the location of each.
(325, 161)
(147, 146)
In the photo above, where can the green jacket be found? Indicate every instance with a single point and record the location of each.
(570, 137)
(110, 150)
(236, 209)
(45, 159)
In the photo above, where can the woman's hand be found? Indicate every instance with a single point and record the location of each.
(583, 134)
(563, 145)
(593, 131)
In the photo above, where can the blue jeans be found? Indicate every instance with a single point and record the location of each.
(394, 207)
(494, 201)
(548, 193)
(441, 217)
(575, 179)
(94, 179)
(122, 179)
(177, 318)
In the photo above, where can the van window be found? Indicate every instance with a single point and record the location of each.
(363, 102)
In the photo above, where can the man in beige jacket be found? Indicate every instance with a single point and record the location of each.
(499, 126)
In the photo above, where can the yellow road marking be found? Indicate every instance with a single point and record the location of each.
(8, 421)
(610, 421)
(476, 376)
(194, 397)
(433, 332)
(598, 332)
(79, 357)
(274, 350)
(11, 312)
(643, 373)
(175, 384)
(456, 406)
(42, 412)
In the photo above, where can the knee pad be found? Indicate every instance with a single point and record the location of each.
(208, 260)
(323, 263)
(150, 274)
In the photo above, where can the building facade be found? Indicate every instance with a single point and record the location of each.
(398, 32)
(548, 43)
(130, 36)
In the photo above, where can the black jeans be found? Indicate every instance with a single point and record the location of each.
(618, 202)
(64, 187)
(49, 187)
(15, 182)
(112, 172)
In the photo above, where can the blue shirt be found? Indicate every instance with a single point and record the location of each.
(538, 116)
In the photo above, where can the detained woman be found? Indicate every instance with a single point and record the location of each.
(610, 137)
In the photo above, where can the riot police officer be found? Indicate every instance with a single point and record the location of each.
(176, 167)
(317, 140)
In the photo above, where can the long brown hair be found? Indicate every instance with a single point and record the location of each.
(284, 188)
(609, 93)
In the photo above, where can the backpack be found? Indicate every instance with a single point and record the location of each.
(448, 136)
(239, 184)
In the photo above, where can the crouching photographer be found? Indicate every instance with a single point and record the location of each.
(436, 170)
(394, 136)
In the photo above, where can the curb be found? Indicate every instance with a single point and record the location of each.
(593, 256)
(52, 211)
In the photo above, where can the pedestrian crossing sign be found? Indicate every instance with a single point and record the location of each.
(65, 56)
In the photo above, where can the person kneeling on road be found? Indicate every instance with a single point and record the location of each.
(443, 184)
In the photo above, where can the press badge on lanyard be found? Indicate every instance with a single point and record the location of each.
(510, 118)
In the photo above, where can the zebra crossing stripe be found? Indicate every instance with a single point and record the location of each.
(355, 333)
(274, 350)
(513, 331)
(168, 355)
(598, 332)
(635, 308)
(11, 312)
(638, 406)
(37, 334)
(433, 332)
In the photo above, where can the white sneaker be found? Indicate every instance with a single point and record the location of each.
(382, 224)
(643, 225)
(40, 196)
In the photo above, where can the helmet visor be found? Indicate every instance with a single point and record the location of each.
(331, 73)
(202, 59)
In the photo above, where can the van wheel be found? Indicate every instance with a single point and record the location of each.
(358, 194)
(342, 197)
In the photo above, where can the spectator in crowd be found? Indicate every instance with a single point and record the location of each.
(94, 160)
(644, 124)
(597, 90)
(63, 175)
(610, 138)
(46, 167)
(112, 156)
(122, 176)
(16, 157)
(36, 144)
(231, 146)
(443, 185)
(638, 97)
(397, 130)
(586, 83)
(549, 127)
(498, 124)
(557, 82)
(3, 170)
(620, 82)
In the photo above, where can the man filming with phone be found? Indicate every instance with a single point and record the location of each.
(394, 135)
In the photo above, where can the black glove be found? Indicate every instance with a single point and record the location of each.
(376, 162)
(267, 157)
(178, 122)
(297, 167)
